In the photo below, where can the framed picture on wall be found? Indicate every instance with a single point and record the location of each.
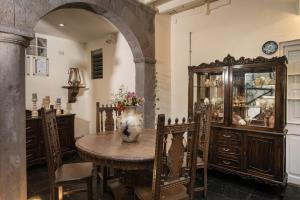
(27, 65)
(41, 66)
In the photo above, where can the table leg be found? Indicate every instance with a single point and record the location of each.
(122, 188)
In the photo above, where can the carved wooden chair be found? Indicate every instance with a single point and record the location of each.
(174, 172)
(203, 145)
(61, 175)
(106, 120)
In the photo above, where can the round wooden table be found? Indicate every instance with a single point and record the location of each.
(108, 149)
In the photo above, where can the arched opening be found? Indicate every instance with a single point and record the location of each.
(140, 41)
(67, 38)
(71, 35)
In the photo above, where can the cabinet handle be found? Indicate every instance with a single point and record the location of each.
(226, 136)
(226, 149)
(226, 162)
(28, 141)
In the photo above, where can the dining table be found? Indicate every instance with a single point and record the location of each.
(108, 149)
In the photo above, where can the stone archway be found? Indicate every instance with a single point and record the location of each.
(18, 18)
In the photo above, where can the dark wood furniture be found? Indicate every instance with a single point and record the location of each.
(108, 149)
(35, 148)
(248, 116)
(106, 120)
(60, 174)
(174, 171)
(73, 91)
(203, 146)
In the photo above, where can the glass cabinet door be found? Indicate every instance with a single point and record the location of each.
(209, 88)
(253, 98)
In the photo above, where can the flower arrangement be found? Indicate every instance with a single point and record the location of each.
(125, 98)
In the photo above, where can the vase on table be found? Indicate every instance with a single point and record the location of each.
(130, 124)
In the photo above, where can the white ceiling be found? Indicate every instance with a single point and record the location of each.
(84, 26)
(175, 6)
(80, 25)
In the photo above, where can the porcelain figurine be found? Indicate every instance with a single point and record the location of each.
(206, 101)
(207, 83)
(242, 122)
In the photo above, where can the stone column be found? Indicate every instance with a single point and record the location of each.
(12, 117)
(145, 87)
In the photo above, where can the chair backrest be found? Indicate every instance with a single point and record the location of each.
(176, 165)
(205, 129)
(52, 145)
(106, 117)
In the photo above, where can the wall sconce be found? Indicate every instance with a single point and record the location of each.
(74, 84)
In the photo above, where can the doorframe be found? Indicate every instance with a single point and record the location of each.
(292, 178)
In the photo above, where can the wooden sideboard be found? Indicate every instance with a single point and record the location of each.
(248, 135)
(35, 148)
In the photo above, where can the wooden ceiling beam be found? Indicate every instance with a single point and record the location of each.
(175, 6)
(180, 5)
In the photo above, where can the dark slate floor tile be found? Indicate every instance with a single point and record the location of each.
(220, 187)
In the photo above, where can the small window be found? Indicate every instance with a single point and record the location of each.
(97, 64)
(37, 47)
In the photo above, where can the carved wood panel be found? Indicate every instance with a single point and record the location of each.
(173, 166)
(260, 154)
(106, 117)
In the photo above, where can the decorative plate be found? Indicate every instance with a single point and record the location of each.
(270, 47)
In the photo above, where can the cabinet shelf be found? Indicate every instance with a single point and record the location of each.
(72, 92)
(294, 74)
(254, 88)
(195, 86)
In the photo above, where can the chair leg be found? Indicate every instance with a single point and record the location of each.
(90, 188)
(60, 193)
(205, 182)
(52, 192)
(105, 175)
(103, 183)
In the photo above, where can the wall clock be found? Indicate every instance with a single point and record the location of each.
(270, 47)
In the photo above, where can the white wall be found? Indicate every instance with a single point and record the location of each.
(239, 29)
(62, 54)
(119, 68)
(163, 63)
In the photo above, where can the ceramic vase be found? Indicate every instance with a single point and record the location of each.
(131, 124)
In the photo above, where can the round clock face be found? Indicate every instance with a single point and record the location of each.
(270, 47)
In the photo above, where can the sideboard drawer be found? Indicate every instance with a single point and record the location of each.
(227, 162)
(228, 136)
(229, 151)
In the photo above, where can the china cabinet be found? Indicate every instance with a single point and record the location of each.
(248, 98)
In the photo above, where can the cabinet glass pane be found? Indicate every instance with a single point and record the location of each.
(253, 102)
(209, 88)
